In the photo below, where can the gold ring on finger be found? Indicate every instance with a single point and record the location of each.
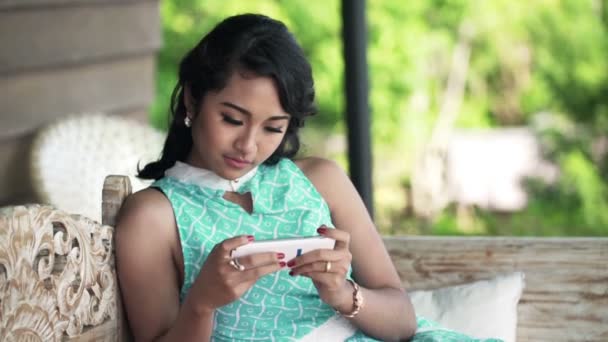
(327, 266)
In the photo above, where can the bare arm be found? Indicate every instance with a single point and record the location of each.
(388, 313)
(149, 263)
(146, 242)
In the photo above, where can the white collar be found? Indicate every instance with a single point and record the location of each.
(208, 179)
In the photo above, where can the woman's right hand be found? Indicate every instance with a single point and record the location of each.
(219, 283)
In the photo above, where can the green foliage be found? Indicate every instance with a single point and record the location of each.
(315, 24)
(526, 57)
(580, 176)
(570, 46)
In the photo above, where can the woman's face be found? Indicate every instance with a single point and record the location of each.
(238, 127)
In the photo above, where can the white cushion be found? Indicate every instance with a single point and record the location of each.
(482, 309)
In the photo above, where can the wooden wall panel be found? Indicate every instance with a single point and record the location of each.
(20, 4)
(64, 57)
(53, 37)
(48, 95)
(14, 173)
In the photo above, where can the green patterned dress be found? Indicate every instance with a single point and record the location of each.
(278, 307)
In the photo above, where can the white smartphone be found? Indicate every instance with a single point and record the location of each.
(291, 247)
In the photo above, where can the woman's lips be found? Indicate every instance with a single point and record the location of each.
(236, 162)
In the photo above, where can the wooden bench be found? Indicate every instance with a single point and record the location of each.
(58, 282)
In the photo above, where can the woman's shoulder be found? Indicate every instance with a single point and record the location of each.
(317, 167)
(147, 201)
(326, 175)
(315, 164)
(148, 210)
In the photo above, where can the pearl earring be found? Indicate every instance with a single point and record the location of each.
(187, 121)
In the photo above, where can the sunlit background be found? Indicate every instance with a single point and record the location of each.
(488, 117)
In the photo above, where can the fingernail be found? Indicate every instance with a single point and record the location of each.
(291, 263)
(321, 230)
(280, 256)
(250, 237)
(282, 264)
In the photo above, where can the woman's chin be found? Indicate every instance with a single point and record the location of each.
(229, 174)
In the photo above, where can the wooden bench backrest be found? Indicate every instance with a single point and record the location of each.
(566, 279)
(115, 191)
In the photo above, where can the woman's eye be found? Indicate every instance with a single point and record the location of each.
(231, 121)
(274, 129)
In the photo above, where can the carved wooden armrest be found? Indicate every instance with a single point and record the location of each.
(57, 275)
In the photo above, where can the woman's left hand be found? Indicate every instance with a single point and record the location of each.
(328, 268)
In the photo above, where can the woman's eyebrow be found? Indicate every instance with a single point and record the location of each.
(248, 113)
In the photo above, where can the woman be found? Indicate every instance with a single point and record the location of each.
(225, 178)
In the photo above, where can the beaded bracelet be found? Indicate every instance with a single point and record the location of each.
(357, 301)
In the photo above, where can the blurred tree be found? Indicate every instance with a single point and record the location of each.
(526, 58)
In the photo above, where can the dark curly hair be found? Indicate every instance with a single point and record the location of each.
(246, 43)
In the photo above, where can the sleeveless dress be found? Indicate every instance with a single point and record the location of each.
(278, 307)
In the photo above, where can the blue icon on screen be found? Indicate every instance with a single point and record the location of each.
(299, 252)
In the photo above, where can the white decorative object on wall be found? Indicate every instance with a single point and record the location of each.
(71, 157)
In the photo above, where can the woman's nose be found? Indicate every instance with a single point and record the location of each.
(246, 142)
